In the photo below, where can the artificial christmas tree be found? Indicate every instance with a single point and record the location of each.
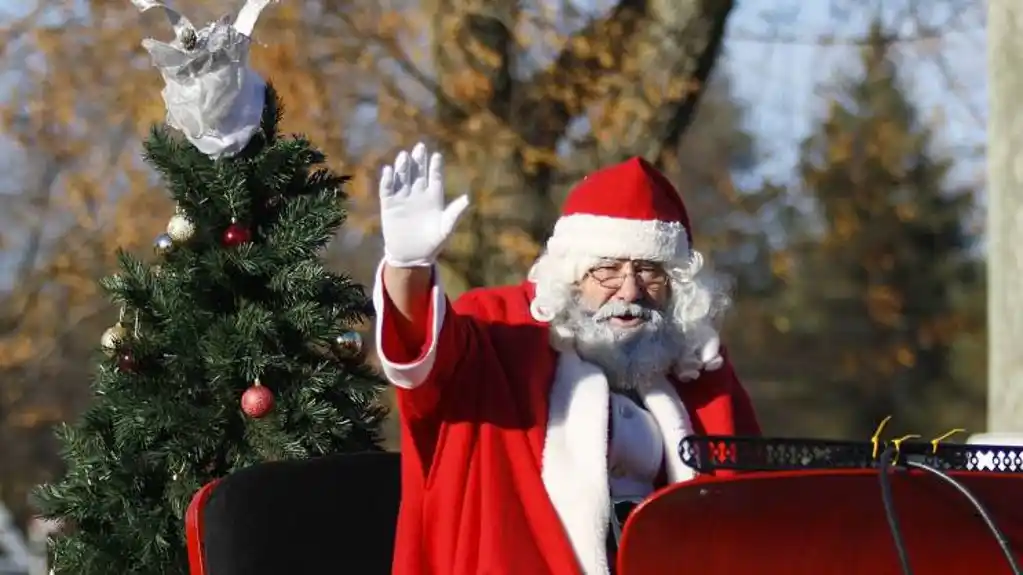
(226, 353)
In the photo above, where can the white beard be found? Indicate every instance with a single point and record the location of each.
(630, 357)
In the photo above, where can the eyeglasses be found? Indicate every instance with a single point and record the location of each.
(611, 275)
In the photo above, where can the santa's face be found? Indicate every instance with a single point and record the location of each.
(625, 281)
(618, 321)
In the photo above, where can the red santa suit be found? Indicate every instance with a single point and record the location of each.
(507, 465)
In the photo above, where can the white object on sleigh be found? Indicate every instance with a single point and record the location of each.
(995, 459)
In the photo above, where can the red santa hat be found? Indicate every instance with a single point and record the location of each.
(628, 210)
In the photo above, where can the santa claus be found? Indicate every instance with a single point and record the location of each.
(528, 411)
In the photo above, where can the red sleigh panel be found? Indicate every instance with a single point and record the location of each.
(821, 522)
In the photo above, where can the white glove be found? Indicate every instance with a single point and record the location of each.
(707, 358)
(415, 222)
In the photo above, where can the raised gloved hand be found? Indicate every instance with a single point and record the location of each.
(706, 358)
(415, 221)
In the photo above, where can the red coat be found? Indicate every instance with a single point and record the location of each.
(504, 440)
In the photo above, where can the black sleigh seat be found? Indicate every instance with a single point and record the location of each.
(325, 515)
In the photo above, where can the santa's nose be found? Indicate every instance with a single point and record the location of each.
(629, 292)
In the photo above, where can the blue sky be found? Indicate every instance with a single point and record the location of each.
(782, 80)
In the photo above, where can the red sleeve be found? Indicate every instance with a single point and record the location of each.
(422, 361)
(434, 367)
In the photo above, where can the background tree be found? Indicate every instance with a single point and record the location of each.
(225, 357)
(885, 273)
(629, 80)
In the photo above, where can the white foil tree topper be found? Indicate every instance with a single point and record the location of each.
(212, 95)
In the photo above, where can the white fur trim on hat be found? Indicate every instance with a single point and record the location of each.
(607, 237)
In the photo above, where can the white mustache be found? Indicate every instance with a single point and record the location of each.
(618, 308)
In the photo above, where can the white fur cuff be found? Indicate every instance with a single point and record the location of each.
(409, 375)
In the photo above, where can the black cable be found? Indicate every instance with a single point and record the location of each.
(889, 508)
(884, 465)
(1003, 541)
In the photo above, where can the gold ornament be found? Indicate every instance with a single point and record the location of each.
(163, 244)
(348, 345)
(113, 338)
(180, 228)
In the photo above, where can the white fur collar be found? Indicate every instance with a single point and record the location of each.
(575, 452)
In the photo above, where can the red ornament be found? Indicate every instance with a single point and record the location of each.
(257, 401)
(236, 235)
(126, 361)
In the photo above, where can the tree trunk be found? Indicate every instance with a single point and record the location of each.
(1005, 217)
(501, 131)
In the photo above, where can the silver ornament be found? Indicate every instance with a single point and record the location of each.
(180, 228)
(113, 338)
(347, 345)
(163, 244)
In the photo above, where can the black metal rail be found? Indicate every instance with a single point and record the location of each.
(708, 453)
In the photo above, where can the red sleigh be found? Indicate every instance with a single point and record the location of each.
(815, 508)
(801, 507)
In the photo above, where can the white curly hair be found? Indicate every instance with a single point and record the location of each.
(698, 299)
